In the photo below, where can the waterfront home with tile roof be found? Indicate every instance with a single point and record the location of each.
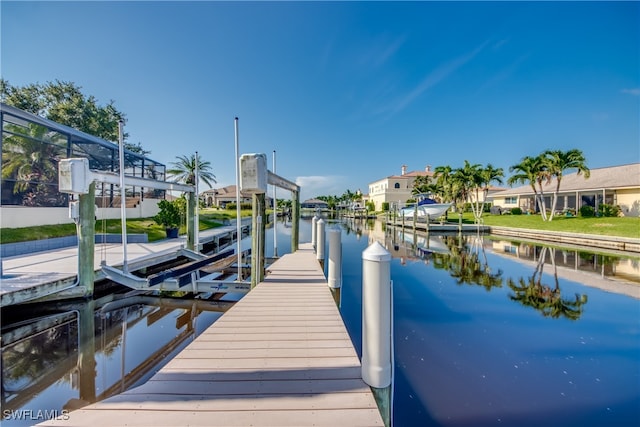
(395, 188)
(615, 185)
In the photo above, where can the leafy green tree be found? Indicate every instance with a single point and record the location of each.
(184, 170)
(64, 103)
(557, 162)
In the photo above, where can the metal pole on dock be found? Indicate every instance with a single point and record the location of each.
(238, 207)
(196, 220)
(123, 198)
(320, 252)
(275, 212)
(377, 328)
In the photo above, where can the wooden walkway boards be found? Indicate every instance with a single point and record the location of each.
(280, 357)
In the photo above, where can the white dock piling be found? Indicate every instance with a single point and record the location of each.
(320, 242)
(376, 316)
(335, 258)
(314, 231)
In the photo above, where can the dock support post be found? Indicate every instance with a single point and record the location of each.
(415, 216)
(295, 220)
(377, 329)
(335, 258)
(320, 240)
(257, 239)
(87, 240)
(191, 223)
(314, 231)
(87, 352)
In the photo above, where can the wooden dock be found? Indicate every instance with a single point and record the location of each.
(281, 356)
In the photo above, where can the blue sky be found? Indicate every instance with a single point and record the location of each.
(346, 92)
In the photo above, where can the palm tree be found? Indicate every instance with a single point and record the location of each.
(487, 175)
(443, 179)
(531, 170)
(184, 170)
(33, 164)
(559, 161)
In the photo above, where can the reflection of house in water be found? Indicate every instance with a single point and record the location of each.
(604, 266)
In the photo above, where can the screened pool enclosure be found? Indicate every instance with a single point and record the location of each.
(33, 146)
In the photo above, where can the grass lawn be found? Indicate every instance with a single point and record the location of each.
(613, 226)
(209, 218)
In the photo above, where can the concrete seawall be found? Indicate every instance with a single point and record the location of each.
(32, 246)
(626, 244)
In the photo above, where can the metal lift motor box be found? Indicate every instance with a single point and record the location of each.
(74, 176)
(253, 176)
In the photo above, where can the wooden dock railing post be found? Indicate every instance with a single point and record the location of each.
(87, 239)
(257, 239)
(191, 209)
(295, 220)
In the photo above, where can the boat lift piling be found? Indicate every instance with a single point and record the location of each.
(254, 177)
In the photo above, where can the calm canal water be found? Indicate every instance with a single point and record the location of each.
(487, 332)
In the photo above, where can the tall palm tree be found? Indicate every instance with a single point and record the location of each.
(487, 175)
(184, 170)
(557, 162)
(443, 177)
(531, 170)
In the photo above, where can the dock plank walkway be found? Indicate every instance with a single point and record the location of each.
(281, 356)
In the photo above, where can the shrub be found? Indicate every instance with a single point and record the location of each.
(587, 211)
(516, 211)
(243, 206)
(385, 206)
(169, 214)
(609, 210)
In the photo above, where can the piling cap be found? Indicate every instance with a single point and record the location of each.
(376, 252)
(334, 230)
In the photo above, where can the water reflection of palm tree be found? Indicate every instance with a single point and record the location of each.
(465, 265)
(531, 292)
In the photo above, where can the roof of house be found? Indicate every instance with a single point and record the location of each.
(614, 177)
(314, 201)
(228, 191)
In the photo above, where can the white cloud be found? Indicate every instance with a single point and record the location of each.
(634, 91)
(313, 186)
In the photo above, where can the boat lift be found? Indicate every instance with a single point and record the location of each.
(75, 177)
